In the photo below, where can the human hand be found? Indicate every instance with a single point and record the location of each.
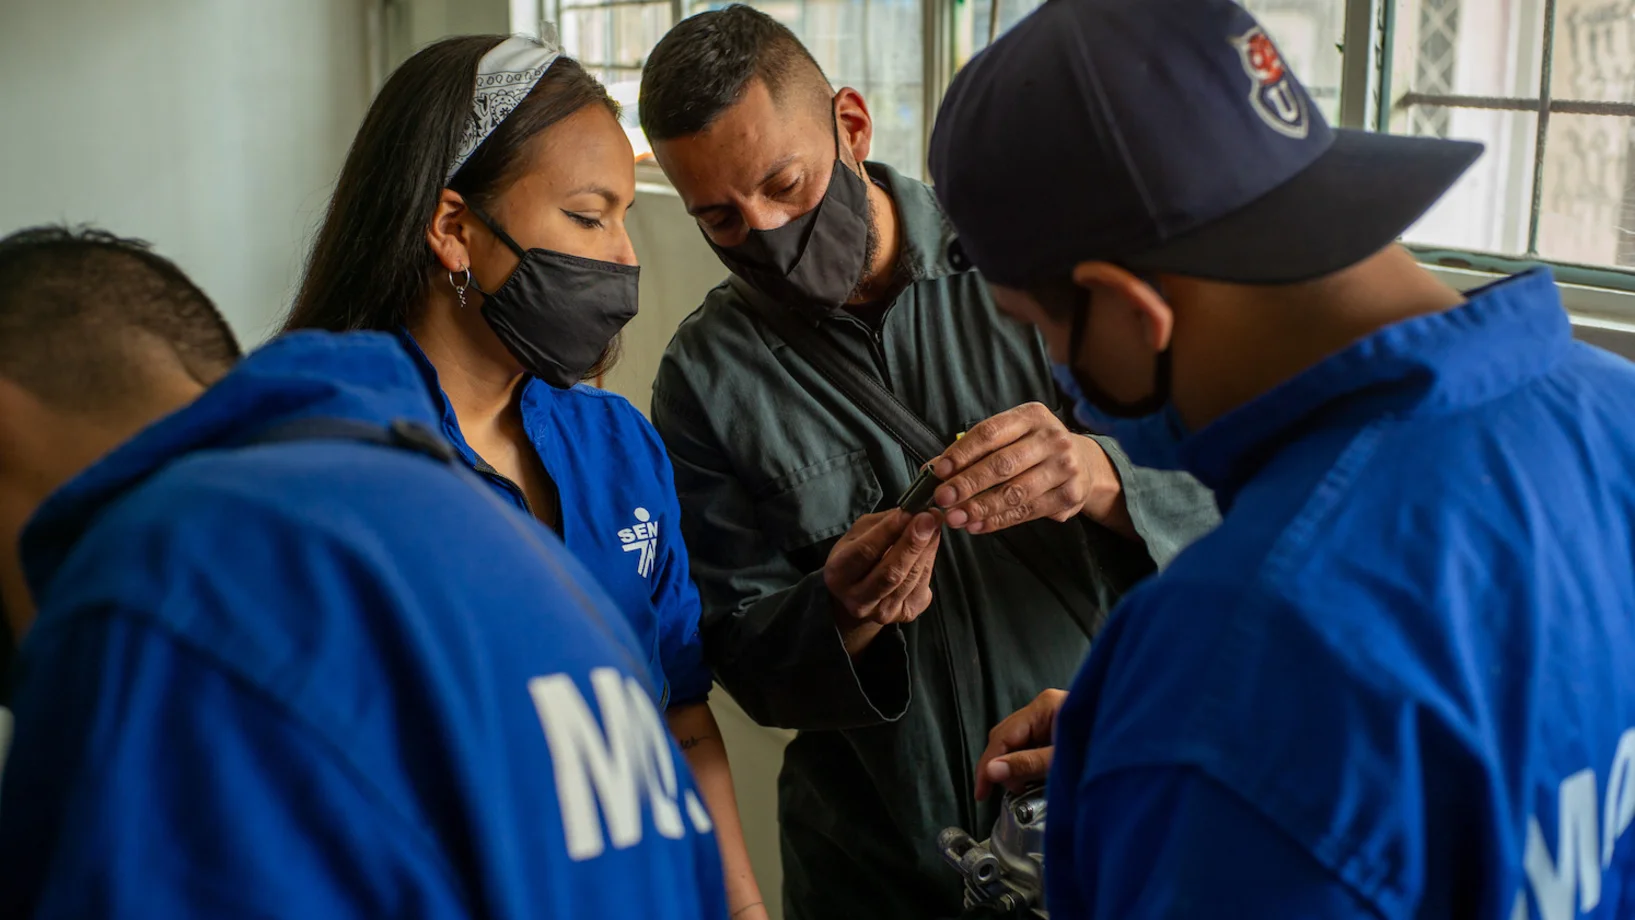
(1019, 748)
(1022, 465)
(880, 572)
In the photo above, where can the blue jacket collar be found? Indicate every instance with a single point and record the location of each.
(538, 399)
(360, 376)
(434, 389)
(1505, 334)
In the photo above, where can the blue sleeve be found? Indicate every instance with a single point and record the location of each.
(675, 598)
(1164, 843)
(145, 781)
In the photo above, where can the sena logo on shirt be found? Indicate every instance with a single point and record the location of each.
(1272, 92)
(642, 538)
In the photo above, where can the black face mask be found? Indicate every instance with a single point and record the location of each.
(557, 313)
(1100, 399)
(815, 260)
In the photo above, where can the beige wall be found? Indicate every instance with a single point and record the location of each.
(677, 270)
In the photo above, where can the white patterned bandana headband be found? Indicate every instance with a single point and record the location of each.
(505, 75)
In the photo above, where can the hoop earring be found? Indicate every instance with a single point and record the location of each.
(460, 288)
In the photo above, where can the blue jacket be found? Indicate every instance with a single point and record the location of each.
(619, 514)
(329, 679)
(1399, 680)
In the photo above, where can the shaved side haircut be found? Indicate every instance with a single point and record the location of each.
(704, 65)
(84, 316)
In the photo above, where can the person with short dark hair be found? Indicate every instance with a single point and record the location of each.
(487, 233)
(48, 275)
(891, 643)
(1398, 681)
(53, 280)
(282, 654)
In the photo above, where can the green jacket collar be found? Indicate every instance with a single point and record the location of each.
(925, 231)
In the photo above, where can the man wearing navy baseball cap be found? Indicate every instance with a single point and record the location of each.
(1396, 681)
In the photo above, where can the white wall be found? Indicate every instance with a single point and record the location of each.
(212, 128)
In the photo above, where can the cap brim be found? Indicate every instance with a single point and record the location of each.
(1350, 203)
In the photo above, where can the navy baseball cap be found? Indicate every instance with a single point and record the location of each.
(1165, 136)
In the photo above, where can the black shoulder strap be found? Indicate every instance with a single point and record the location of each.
(859, 384)
(887, 411)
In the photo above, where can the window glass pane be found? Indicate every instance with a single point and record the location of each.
(1467, 47)
(613, 43)
(1487, 209)
(620, 36)
(584, 33)
(875, 47)
(1493, 49)
(1307, 31)
(1490, 49)
(1587, 211)
(973, 21)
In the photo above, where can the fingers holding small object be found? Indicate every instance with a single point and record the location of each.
(993, 472)
(898, 563)
(985, 438)
(1058, 503)
(857, 553)
(908, 600)
(1043, 491)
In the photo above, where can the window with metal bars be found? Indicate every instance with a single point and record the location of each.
(1547, 85)
(612, 39)
(890, 50)
(874, 46)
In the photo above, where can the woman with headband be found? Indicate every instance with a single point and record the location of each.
(484, 225)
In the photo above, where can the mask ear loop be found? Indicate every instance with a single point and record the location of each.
(1146, 405)
(834, 121)
(495, 229)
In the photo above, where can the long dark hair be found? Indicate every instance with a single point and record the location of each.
(370, 263)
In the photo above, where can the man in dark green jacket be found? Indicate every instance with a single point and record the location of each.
(813, 595)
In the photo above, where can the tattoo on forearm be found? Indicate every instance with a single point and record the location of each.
(692, 741)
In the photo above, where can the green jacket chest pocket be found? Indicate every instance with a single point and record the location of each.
(805, 512)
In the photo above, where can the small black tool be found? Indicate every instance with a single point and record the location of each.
(919, 495)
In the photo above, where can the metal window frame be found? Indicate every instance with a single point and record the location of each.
(551, 11)
(1366, 99)
(1366, 102)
